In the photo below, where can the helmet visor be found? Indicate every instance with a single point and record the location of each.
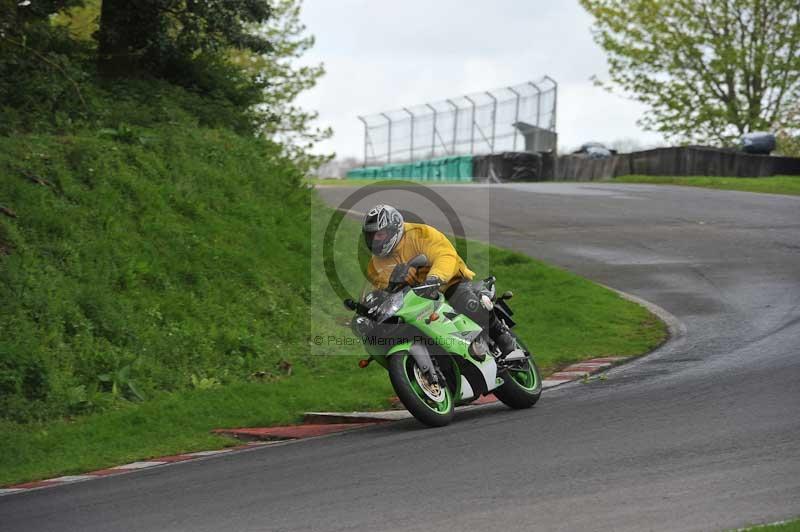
(376, 240)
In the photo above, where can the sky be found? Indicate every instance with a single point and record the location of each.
(386, 54)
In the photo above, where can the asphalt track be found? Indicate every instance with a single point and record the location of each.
(701, 435)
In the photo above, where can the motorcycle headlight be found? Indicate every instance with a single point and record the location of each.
(361, 326)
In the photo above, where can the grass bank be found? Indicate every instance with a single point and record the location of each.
(767, 185)
(162, 283)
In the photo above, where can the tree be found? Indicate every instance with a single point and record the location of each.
(16, 15)
(25, 24)
(242, 55)
(263, 41)
(37, 71)
(284, 80)
(81, 20)
(151, 36)
(789, 135)
(710, 70)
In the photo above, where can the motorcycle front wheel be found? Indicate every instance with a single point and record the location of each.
(522, 384)
(431, 404)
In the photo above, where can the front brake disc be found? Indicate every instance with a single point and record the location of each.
(433, 391)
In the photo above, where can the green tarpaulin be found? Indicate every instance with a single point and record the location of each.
(439, 170)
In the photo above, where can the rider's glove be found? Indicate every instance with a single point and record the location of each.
(401, 275)
(430, 288)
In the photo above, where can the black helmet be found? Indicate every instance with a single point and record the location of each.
(383, 229)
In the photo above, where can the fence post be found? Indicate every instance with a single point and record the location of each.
(389, 147)
(555, 102)
(516, 116)
(538, 101)
(433, 133)
(471, 126)
(411, 137)
(494, 118)
(455, 127)
(366, 138)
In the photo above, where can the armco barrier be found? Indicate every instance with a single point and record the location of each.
(681, 161)
(508, 166)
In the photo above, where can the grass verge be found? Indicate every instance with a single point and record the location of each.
(768, 185)
(788, 526)
(341, 182)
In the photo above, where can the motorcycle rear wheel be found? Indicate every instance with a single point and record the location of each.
(429, 404)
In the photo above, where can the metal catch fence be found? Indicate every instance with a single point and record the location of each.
(479, 123)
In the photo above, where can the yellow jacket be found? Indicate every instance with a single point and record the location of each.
(421, 239)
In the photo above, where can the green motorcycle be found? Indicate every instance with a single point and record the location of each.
(438, 358)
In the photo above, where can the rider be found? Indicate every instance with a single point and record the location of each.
(395, 242)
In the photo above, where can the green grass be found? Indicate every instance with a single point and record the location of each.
(789, 526)
(182, 421)
(565, 318)
(768, 185)
(341, 182)
(163, 286)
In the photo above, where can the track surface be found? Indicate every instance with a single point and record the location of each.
(702, 435)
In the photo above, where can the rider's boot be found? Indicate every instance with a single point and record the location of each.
(502, 336)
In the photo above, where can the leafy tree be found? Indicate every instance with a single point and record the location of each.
(284, 80)
(16, 16)
(270, 70)
(789, 135)
(152, 35)
(82, 20)
(241, 57)
(38, 65)
(788, 144)
(710, 70)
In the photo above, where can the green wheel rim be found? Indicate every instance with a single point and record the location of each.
(442, 407)
(526, 378)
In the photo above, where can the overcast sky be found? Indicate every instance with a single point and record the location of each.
(382, 55)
